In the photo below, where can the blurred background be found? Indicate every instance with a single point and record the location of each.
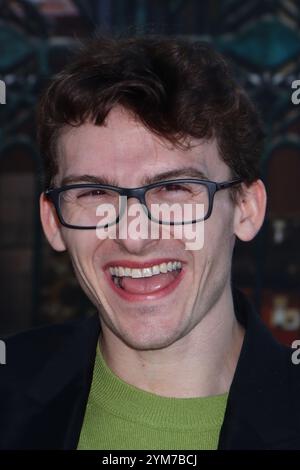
(262, 41)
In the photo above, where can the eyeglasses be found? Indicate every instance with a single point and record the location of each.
(173, 202)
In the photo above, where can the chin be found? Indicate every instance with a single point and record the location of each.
(148, 337)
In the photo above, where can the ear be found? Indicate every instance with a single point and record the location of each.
(51, 224)
(250, 210)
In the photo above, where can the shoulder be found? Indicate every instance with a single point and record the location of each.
(28, 351)
(47, 373)
(265, 365)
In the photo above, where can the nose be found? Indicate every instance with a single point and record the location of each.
(134, 227)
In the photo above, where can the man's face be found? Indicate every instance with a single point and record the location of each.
(152, 312)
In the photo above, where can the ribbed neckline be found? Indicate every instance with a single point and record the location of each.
(127, 401)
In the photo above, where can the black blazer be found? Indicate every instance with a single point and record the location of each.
(45, 385)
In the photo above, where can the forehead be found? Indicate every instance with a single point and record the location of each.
(125, 151)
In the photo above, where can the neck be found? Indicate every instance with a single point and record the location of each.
(202, 363)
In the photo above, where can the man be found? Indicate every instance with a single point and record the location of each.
(175, 359)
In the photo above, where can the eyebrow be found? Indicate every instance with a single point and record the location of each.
(73, 179)
(186, 172)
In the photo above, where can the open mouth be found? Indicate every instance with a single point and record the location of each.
(146, 281)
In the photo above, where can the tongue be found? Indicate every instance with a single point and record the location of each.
(147, 285)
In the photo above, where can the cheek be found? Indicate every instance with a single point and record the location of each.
(221, 222)
(81, 246)
(218, 240)
(192, 235)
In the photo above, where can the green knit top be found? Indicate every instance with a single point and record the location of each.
(121, 416)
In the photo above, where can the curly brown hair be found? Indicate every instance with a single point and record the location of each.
(177, 88)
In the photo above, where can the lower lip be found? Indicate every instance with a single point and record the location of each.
(140, 297)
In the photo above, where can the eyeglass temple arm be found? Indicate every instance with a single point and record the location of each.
(227, 184)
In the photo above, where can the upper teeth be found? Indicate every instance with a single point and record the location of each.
(121, 271)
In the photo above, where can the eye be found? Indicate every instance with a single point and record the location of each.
(180, 190)
(92, 193)
(176, 187)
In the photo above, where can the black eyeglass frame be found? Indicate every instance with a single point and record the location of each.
(53, 194)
